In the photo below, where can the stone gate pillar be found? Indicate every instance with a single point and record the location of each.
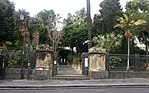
(44, 63)
(97, 63)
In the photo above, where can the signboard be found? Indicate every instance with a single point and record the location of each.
(55, 62)
(86, 62)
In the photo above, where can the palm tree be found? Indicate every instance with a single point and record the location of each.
(22, 25)
(128, 24)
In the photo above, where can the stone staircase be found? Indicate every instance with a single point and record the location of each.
(68, 73)
(70, 77)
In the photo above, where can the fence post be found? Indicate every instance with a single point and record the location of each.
(137, 59)
(2, 64)
(107, 61)
(136, 62)
(85, 63)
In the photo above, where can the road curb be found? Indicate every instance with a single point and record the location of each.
(71, 86)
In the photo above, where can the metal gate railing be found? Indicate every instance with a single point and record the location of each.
(2, 66)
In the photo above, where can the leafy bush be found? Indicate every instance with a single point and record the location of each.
(115, 62)
(14, 58)
(70, 57)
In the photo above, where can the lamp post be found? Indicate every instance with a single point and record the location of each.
(89, 41)
(22, 30)
(89, 25)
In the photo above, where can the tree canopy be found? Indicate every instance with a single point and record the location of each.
(8, 31)
(75, 25)
(75, 31)
(107, 17)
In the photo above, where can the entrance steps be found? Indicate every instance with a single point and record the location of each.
(70, 77)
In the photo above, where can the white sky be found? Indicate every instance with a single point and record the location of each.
(63, 7)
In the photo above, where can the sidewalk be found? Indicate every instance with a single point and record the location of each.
(134, 82)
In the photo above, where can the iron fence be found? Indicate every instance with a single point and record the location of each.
(2, 58)
(16, 58)
(118, 62)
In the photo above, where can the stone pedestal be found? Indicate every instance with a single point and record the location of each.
(97, 63)
(43, 60)
(98, 74)
(44, 63)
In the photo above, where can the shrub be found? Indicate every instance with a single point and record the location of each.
(115, 62)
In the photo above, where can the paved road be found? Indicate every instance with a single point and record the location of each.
(65, 90)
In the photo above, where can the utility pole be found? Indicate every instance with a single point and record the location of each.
(89, 25)
(86, 68)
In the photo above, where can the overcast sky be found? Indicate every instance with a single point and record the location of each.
(63, 7)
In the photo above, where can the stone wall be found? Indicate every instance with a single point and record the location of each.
(14, 73)
(128, 74)
(42, 74)
(98, 74)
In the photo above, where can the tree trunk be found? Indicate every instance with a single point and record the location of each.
(128, 55)
(72, 50)
(146, 49)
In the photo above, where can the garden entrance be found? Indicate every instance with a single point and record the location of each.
(68, 67)
(75, 67)
(78, 69)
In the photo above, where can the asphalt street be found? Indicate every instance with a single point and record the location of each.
(73, 90)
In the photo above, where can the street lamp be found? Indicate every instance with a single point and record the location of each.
(21, 17)
(23, 35)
